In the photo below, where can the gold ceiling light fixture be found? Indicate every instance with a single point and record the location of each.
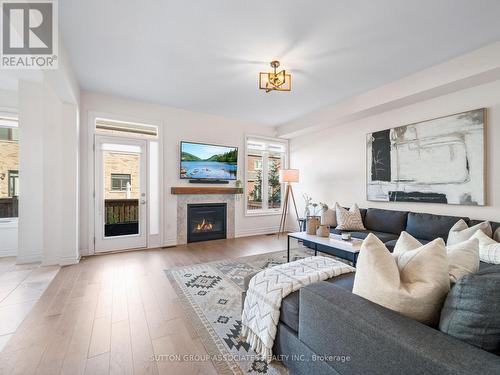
(275, 81)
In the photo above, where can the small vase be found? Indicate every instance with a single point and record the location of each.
(323, 231)
(312, 225)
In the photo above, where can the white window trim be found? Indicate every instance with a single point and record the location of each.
(272, 211)
(11, 113)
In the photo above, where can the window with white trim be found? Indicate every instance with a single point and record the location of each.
(9, 165)
(264, 159)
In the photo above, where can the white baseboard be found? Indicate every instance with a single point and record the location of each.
(256, 231)
(84, 252)
(32, 258)
(169, 242)
(67, 261)
(61, 261)
(8, 253)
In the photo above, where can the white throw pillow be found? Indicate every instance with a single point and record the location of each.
(461, 232)
(349, 220)
(463, 258)
(489, 250)
(329, 217)
(413, 283)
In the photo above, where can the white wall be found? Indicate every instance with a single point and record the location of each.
(176, 125)
(332, 162)
(48, 175)
(8, 99)
(31, 173)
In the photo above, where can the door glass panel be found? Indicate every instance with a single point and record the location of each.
(121, 166)
(154, 188)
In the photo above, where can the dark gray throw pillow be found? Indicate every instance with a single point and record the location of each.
(471, 311)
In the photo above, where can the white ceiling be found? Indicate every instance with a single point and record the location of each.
(205, 55)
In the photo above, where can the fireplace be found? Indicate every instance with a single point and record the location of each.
(206, 221)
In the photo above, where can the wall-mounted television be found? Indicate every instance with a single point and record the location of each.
(200, 161)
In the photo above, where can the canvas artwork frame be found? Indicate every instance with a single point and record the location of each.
(441, 160)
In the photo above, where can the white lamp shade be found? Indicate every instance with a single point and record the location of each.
(289, 175)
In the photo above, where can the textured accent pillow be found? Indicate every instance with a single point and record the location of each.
(470, 312)
(496, 237)
(413, 283)
(489, 250)
(461, 232)
(349, 220)
(463, 258)
(329, 217)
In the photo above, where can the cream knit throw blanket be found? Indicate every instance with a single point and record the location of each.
(266, 290)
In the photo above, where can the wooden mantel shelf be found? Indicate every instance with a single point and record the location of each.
(205, 190)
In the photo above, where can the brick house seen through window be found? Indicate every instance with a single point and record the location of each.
(120, 182)
(9, 166)
(264, 159)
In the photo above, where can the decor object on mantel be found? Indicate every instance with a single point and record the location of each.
(176, 190)
(275, 81)
(288, 176)
(434, 161)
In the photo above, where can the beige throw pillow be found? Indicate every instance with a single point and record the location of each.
(489, 250)
(349, 220)
(463, 258)
(496, 237)
(461, 232)
(328, 217)
(406, 242)
(414, 282)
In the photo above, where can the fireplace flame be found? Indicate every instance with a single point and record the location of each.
(204, 226)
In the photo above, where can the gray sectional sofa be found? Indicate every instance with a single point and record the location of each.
(325, 329)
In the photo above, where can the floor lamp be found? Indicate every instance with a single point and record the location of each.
(288, 176)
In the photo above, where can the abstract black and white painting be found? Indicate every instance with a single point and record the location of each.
(434, 161)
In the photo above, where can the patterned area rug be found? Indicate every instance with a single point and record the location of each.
(211, 296)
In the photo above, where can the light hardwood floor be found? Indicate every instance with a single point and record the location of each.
(21, 286)
(110, 313)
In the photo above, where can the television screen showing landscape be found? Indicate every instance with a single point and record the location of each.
(201, 161)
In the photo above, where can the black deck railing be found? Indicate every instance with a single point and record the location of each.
(120, 211)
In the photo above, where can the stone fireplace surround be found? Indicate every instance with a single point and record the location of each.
(184, 199)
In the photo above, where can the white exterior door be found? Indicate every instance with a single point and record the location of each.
(120, 194)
